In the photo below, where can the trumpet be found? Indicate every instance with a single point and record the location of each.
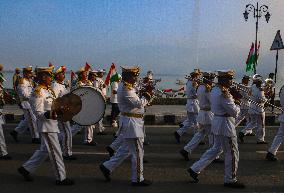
(147, 88)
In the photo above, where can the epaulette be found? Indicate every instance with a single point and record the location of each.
(37, 91)
(208, 87)
(194, 84)
(21, 81)
(225, 92)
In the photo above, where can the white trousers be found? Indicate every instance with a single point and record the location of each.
(189, 123)
(198, 137)
(89, 133)
(278, 139)
(65, 137)
(130, 147)
(28, 122)
(3, 147)
(231, 153)
(256, 121)
(117, 142)
(100, 126)
(242, 115)
(49, 146)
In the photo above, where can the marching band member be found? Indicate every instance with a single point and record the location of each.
(25, 89)
(244, 106)
(16, 78)
(140, 87)
(115, 79)
(100, 85)
(204, 117)
(131, 125)
(61, 88)
(113, 147)
(191, 106)
(278, 139)
(42, 99)
(223, 129)
(257, 113)
(3, 147)
(89, 135)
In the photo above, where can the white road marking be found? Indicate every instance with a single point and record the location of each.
(89, 153)
(265, 152)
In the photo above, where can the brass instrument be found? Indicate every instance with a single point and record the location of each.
(147, 88)
(240, 87)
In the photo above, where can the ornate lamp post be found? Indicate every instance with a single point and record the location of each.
(257, 13)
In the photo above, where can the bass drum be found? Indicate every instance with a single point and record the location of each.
(93, 106)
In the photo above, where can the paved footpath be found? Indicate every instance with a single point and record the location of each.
(155, 115)
(166, 167)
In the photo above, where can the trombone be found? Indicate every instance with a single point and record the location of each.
(247, 90)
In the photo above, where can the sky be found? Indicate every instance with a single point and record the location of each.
(166, 36)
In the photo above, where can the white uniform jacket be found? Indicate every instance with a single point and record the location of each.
(24, 90)
(245, 104)
(225, 111)
(192, 104)
(59, 89)
(205, 115)
(281, 96)
(42, 99)
(258, 96)
(99, 84)
(130, 103)
(114, 87)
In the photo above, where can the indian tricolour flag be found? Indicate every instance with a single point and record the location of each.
(249, 62)
(110, 73)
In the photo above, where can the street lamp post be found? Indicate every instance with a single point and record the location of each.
(257, 13)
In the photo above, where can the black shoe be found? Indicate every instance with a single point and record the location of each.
(102, 133)
(142, 183)
(110, 151)
(261, 142)
(241, 137)
(201, 143)
(6, 157)
(271, 157)
(105, 172)
(92, 143)
(234, 185)
(180, 125)
(218, 161)
(25, 174)
(184, 154)
(35, 140)
(69, 157)
(250, 134)
(14, 135)
(146, 143)
(177, 137)
(145, 161)
(65, 182)
(193, 175)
